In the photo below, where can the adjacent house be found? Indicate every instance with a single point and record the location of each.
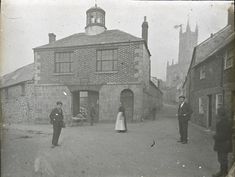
(16, 90)
(210, 81)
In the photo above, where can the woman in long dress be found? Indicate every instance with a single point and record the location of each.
(120, 125)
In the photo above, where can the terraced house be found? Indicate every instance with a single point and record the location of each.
(100, 67)
(210, 81)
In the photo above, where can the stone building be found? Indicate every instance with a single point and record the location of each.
(100, 67)
(176, 72)
(16, 90)
(210, 82)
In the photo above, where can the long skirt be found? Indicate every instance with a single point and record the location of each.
(120, 123)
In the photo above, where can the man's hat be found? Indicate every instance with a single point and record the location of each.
(59, 102)
(182, 96)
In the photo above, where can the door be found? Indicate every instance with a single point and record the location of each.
(127, 99)
(209, 119)
(76, 101)
(93, 100)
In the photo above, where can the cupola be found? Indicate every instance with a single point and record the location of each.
(95, 21)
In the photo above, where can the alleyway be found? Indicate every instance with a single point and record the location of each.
(98, 151)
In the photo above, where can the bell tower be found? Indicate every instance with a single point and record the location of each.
(95, 21)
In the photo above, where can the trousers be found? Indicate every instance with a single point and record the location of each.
(183, 129)
(56, 134)
(223, 160)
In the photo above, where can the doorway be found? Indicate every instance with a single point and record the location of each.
(127, 99)
(82, 102)
(209, 119)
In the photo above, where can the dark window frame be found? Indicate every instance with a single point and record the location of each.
(113, 59)
(61, 63)
(229, 58)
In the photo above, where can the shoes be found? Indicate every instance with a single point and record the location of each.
(184, 142)
(179, 141)
(54, 145)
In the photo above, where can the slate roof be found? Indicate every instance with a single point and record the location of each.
(23, 74)
(212, 44)
(81, 39)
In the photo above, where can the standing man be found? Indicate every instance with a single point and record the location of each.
(92, 114)
(184, 114)
(56, 119)
(223, 141)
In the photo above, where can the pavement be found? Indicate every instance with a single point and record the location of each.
(98, 151)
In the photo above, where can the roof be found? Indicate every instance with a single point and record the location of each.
(212, 44)
(23, 74)
(155, 86)
(82, 39)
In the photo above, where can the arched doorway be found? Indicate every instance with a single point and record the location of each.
(127, 99)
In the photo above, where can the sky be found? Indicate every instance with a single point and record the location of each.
(25, 24)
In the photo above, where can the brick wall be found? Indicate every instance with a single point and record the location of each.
(84, 66)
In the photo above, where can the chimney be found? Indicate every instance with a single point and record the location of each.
(52, 38)
(231, 16)
(145, 30)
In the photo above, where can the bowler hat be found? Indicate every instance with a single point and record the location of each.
(59, 102)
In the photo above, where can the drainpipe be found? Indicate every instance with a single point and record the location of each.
(222, 76)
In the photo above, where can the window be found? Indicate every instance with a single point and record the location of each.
(6, 93)
(63, 62)
(203, 72)
(229, 57)
(218, 102)
(200, 106)
(22, 89)
(106, 60)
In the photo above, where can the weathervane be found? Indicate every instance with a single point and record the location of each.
(178, 26)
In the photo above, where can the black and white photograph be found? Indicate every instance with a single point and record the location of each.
(117, 88)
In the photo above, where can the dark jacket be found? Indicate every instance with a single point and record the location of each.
(92, 112)
(223, 136)
(185, 111)
(56, 117)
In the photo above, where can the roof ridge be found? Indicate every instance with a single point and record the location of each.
(215, 34)
(18, 69)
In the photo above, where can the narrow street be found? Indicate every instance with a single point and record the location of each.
(98, 151)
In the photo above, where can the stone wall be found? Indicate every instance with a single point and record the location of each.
(16, 102)
(109, 100)
(152, 102)
(45, 98)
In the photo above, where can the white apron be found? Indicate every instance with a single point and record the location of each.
(120, 124)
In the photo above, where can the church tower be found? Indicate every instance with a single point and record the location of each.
(95, 21)
(187, 41)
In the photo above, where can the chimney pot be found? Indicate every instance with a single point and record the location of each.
(52, 38)
(145, 29)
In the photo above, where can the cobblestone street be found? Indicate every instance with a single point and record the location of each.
(98, 151)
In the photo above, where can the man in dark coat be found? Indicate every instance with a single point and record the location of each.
(56, 119)
(92, 114)
(184, 114)
(223, 141)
